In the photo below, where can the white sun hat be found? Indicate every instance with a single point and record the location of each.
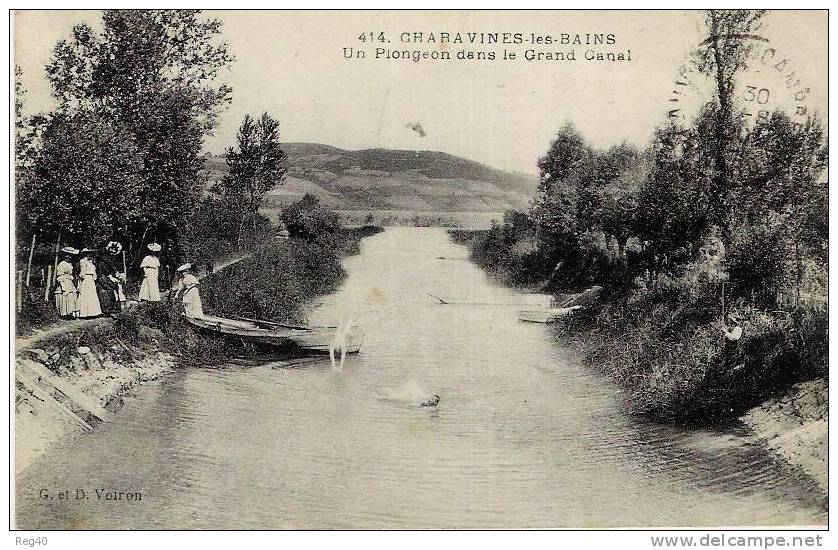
(114, 247)
(70, 250)
(185, 266)
(154, 247)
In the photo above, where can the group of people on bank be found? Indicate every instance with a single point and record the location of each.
(89, 284)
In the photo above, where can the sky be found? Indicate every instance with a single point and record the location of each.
(501, 113)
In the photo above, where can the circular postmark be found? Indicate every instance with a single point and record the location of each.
(767, 81)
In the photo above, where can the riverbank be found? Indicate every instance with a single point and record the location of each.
(94, 365)
(101, 360)
(796, 426)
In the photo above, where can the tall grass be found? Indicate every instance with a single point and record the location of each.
(666, 349)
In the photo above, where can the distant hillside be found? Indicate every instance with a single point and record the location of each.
(385, 179)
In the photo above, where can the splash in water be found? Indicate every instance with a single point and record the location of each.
(410, 392)
(339, 344)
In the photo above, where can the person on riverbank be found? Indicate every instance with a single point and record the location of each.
(89, 305)
(732, 330)
(150, 288)
(108, 282)
(187, 287)
(117, 277)
(66, 294)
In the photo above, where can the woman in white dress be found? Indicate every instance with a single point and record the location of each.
(150, 289)
(187, 286)
(89, 305)
(66, 295)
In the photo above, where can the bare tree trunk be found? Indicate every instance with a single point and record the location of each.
(55, 260)
(142, 241)
(723, 120)
(19, 290)
(31, 253)
(798, 269)
(48, 283)
(124, 271)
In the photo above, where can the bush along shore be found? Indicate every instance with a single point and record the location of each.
(68, 380)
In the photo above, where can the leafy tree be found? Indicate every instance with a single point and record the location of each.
(555, 208)
(722, 56)
(256, 167)
(86, 180)
(619, 194)
(308, 219)
(152, 73)
(782, 202)
(27, 130)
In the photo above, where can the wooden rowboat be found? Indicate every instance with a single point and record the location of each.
(310, 338)
(550, 315)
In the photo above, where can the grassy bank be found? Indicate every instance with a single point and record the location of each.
(667, 350)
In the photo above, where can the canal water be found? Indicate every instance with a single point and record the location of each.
(523, 436)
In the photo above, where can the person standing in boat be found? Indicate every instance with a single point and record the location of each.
(89, 305)
(66, 295)
(187, 287)
(150, 289)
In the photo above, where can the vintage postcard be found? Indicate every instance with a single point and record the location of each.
(283, 270)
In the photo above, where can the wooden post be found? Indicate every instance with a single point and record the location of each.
(142, 242)
(29, 265)
(55, 261)
(723, 302)
(19, 290)
(48, 284)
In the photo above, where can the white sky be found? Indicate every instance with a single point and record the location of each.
(502, 114)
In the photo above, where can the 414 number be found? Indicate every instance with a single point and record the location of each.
(372, 37)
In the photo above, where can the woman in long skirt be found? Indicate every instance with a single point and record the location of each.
(108, 281)
(105, 287)
(65, 291)
(88, 297)
(188, 287)
(117, 277)
(150, 289)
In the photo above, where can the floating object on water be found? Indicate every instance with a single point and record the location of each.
(433, 401)
(550, 315)
(441, 301)
(311, 338)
